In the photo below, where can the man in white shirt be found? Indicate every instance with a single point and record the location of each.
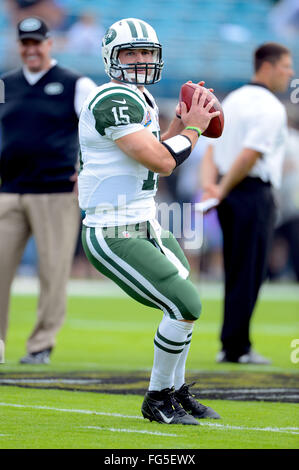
(39, 155)
(240, 169)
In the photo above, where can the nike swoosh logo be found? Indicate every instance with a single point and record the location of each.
(165, 419)
(120, 102)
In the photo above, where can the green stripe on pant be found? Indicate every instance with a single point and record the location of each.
(143, 272)
(131, 285)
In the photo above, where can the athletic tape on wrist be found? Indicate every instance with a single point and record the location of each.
(179, 146)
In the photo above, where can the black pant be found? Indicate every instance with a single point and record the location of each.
(247, 218)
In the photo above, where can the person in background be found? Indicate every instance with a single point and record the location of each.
(286, 236)
(38, 161)
(49, 9)
(84, 36)
(240, 169)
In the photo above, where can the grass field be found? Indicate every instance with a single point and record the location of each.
(106, 345)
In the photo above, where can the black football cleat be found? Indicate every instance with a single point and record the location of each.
(161, 406)
(192, 406)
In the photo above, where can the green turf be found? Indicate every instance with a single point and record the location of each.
(51, 428)
(115, 334)
(108, 335)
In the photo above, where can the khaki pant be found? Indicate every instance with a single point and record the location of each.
(53, 219)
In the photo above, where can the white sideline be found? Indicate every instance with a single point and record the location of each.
(288, 430)
(68, 410)
(101, 428)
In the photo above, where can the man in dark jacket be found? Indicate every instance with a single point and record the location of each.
(39, 153)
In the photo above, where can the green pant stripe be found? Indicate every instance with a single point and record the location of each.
(168, 341)
(171, 351)
(140, 272)
(116, 273)
(127, 279)
(139, 276)
(106, 269)
(141, 285)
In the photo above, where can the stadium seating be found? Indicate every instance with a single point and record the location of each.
(206, 40)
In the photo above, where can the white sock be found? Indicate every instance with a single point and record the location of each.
(179, 374)
(169, 343)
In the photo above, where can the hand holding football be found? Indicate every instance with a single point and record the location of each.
(215, 127)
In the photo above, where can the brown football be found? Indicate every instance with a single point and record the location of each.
(215, 127)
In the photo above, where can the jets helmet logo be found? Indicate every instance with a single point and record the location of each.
(109, 36)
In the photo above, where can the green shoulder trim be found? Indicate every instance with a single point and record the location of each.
(117, 109)
(114, 89)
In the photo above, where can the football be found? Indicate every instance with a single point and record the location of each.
(215, 127)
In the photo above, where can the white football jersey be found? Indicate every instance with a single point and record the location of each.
(253, 118)
(115, 189)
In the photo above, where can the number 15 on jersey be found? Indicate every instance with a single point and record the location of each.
(120, 116)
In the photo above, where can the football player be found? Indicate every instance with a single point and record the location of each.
(122, 155)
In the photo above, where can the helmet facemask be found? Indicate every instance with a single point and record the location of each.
(130, 73)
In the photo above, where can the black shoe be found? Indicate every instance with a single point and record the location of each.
(192, 406)
(161, 406)
(251, 357)
(40, 357)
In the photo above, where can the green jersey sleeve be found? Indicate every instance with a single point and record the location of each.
(118, 109)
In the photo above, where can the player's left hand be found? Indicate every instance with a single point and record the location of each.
(178, 106)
